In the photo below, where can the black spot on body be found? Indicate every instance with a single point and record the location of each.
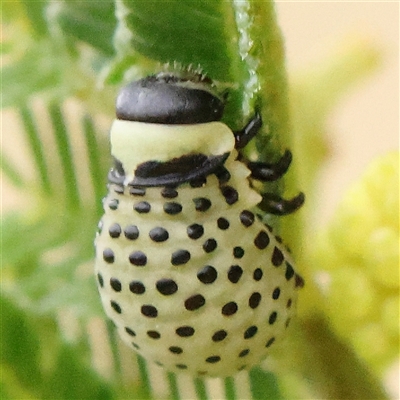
(210, 245)
(207, 274)
(277, 257)
(272, 318)
(114, 231)
(175, 350)
(138, 258)
(153, 334)
(229, 308)
(231, 195)
(195, 231)
(276, 293)
(169, 193)
(234, 274)
(247, 218)
(172, 208)
(219, 335)
(223, 223)
(100, 280)
(180, 257)
(115, 284)
(166, 286)
(250, 332)
(258, 274)
(185, 331)
(116, 307)
(244, 353)
(213, 359)
(108, 256)
(149, 311)
(181, 366)
(130, 332)
(289, 271)
(198, 182)
(135, 191)
(159, 234)
(195, 302)
(202, 204)
(143, 207)
(238, 252)
(131, 232)
(137, 287)
(113, 204)
(270, 342)
(254, 300)
(262, 240)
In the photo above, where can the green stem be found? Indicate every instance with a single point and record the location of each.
(201, 390)
(230, 391)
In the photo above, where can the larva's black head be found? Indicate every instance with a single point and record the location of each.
(168, 99)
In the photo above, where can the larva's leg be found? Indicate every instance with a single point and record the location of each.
(243, 137)
(266, 172)
(274, 204)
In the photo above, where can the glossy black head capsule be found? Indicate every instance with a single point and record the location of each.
(168, 99)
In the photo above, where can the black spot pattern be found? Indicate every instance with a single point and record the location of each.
(223, 223)
(254, 300)
(116, 307)
(175, 350)
(153, 334)
(135, 191)
(199, 182)
(272, 317)
(247, 218)
(100, 280)
(207, 274)
(137, 287)
(262, 240)
(108, 256)
(149, 311)
(138, 258)
(213, 359)
(244, 353)
(195, 231)
(131, 232)
(180, 257)
(258, 274)
(238, 252)
(277, 257)
(166, 286)
(202, 204)
(185, 331)
(231, 195)
(169, 193)
(219, 335)
(115, 284)
(114, 230)
(289, 271)
(222, 174)
(210, 245)
(250, 332)
(276, 293)
(172, 208)
(229, 308)
(130, 332)
(195, 302)
(113, 204)
(159, 234)
(234, 274)
(143, 207)
(270, 342)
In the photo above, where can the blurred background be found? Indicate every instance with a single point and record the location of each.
(363, 125)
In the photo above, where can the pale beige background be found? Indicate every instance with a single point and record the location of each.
(366, 123)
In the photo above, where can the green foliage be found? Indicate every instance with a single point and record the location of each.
(81, 51)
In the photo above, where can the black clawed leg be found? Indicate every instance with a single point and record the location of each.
(270, 172)
(273, 204)
(244, 136)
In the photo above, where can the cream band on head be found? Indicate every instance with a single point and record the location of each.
(133, 143)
